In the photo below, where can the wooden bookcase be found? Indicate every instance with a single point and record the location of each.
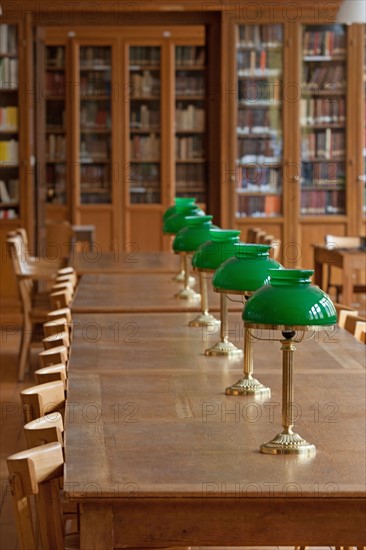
(16, 143)
(124, 127)
(294, 127)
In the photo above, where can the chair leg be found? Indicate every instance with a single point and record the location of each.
(24, 352)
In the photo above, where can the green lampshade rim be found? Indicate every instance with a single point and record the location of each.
(288, 328)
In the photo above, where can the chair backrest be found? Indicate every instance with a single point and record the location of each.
(56, 326)
(42, 399)
(60, 313)
(47, 429)
(34, 477)
(51, 373)
(56, 340)
(275, 246)
(342, 312)
(60, 299)
(360, 331)
(16, 253)
(53, 356)
(351, 322)
(58, 239)
(342, 242)
(251, 234)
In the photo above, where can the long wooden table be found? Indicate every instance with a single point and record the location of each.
(138, 292)
(124, 259)
(157, 455)
(348, 260)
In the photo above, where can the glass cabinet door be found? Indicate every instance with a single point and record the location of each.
(190, 123)
(323, 120)
(55, 129)
(144, 125)
(9, 124)
(259, 120)
(95, 125)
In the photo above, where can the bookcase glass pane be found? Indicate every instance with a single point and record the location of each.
(259, 51)
(323, 120)
(55, 138)
(144, 178)
(95, 125)
(9, 123)
(190, 123)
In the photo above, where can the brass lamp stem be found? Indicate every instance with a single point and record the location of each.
(248, 354)
(205, 318)
(203, 290)
(224, 318)
(186, 270)
(288, 348)
(186, 293)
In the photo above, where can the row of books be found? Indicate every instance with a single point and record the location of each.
(323, 174)
(95, 56)
(256, 149)
(258, 178)
(8, 40)
(144, 55)
(55, 84)
(145, 147)
(189, 84)
(144, 195)
(55, 57)
(9, 118)
(8, 214)
(9, 191)
(324, 144)
(258, 121)
(55, 147)
(144, 118)
(9, 152)
(331, 78)
(194, 174)
(322, 111)
(144, 84)
(56, 174)
(259, 206)
(55, 116)
(95, 147)
(190, 147)
(324, 42)
(95, 84)
(143, 173)
(256, 91)
(8, 73)
(259, 62)
(322, 202)
(95, 176)
(96, 197)
(189, 117)
(94, 114)
(260, 36)
(190, 55)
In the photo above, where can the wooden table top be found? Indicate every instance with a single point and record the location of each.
(126, 292)
(147, 415)
(124, 260)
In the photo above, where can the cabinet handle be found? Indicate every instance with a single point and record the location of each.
(361, 178)
(296, 178)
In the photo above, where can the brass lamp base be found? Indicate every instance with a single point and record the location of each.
(187, 294)
(204, 320)
(180, 279)
(247, 386)
(288, 443)
(224, 348)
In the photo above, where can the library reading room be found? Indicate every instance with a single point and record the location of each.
(183, 274)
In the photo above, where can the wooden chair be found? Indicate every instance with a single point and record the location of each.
(351, 322)
(53, 356)
(42, 399)
(56, 326)
(342, 312)
(360, 331)
(35, 306)
(275, 246)
(37, 261)
(335, 241)
(35, 476)
(251, 234)
(60, 299)
(57, 340)
(47, 429)
(59, 313)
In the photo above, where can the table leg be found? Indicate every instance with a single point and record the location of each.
(96, 527)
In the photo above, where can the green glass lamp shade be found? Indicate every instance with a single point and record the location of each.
(247, 271)
(186, 201)
(175, 222)
(196, 232)
(290, 301)
(219, 248)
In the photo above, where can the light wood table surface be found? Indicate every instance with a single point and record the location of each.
(124, 260)
(348, 260)
(140, 292)
(157, 455)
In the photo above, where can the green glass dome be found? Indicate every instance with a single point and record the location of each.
(196, 232)
(175, 222)
(290, 301)
(247, 271)
(187, 201)
(219, 248)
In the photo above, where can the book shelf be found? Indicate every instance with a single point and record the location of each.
(145, 125)
(259, 158)
(190, 123)
(9, 123)
(323, 120)
(95, 140)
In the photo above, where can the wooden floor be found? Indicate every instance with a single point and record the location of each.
(11, 437)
